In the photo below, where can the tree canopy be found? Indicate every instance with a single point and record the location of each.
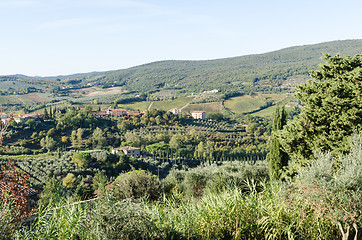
(332, 109)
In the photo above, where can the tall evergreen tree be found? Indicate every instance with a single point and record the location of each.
(278, 158)
(46, 114)
(332, 110)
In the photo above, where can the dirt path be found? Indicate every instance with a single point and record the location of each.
(281, 100)
(184, 106)
(149, 106)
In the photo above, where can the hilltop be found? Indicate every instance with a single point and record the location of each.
(272, 72)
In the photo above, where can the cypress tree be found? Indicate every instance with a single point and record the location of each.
(277, 157)
(46, 115)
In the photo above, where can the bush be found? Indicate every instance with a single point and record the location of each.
(215, 178)
(69, 181)
(137, 184)
(82, 159)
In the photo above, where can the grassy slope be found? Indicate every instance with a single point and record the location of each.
(169, 104)
(207, 107)
(244, 103)
(14, 99)
(247, 103)
(135, 106)
(268, 112)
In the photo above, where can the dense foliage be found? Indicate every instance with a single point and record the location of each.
(332, 109)
(321, 199)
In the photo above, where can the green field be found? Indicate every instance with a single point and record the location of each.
(135, 106)
(161, 105)
(207, 107)
(169, 104)
(272, 97)
(244, 103)
(16, 84)
(268, 112)
(14, 99)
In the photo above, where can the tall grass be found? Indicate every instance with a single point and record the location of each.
(65, 222)
(6, 221)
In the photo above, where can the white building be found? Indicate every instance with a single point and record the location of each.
(199, 114)
(128, 151)
(175, 111)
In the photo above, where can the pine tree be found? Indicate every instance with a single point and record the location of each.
(332, 110)
(278, 158)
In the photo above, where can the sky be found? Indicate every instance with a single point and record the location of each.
(60, 37)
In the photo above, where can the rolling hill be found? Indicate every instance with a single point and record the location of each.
(284, 68)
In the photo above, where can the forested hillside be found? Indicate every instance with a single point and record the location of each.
(271, 69)
(266, 69)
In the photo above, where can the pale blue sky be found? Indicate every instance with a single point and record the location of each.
(53, 37)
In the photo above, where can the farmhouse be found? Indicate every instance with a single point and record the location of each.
(128, 151)
(116, 112)
(175, 111)
(99, 114)
(199, 114)
(113, 113)
(24, 117)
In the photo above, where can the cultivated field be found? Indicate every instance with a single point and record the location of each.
(207, 107)
(35, 97)
(169, 104)
(95, 91)
(14, 99)
(106, 91)
(244, 103)
(135, 106)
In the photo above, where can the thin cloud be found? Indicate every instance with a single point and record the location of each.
(70, 22)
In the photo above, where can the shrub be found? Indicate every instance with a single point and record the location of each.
(332, 187)
(69, 181)
(137, 184)
(82, 159)
(215, 178)
(52, 192)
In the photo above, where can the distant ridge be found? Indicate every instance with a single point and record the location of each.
(272, 69)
